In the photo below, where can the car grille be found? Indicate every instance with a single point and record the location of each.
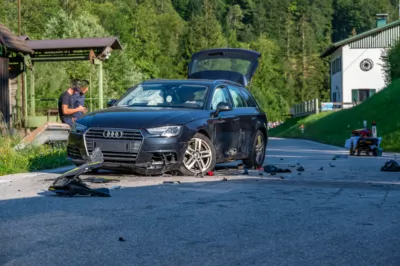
(74, 153)
(127, 135)
(115, 150)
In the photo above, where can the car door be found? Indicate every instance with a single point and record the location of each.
(225, 126)
(244, 117)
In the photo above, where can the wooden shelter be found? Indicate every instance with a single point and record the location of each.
(23, 53)
(12, 51)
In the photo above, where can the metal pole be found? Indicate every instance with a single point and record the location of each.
(19, 17)
(100, 85)
(25, 84)
(32, 93)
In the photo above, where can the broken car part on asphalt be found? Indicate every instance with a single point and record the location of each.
(69, 184)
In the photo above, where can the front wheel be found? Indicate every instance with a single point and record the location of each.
(257, 154)
(199, 157)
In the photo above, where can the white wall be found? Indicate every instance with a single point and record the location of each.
(354, 77)
(336, 79)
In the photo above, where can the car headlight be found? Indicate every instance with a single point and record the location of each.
(168, 131)
(78, 128)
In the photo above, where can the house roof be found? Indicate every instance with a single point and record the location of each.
(74, 44)
(12, 42)
(331, 49)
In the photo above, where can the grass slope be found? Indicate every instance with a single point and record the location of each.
(29, 159)
(335, 127)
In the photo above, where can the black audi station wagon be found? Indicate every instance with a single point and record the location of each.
(180, 125)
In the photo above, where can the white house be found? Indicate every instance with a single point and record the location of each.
(356, 64)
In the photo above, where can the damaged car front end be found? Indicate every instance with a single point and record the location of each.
(143, 151)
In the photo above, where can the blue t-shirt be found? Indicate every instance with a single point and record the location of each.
(79, 100)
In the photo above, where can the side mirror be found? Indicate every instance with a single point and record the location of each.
(111, 102)
(222, 107)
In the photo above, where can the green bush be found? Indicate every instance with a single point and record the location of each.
(30, 159)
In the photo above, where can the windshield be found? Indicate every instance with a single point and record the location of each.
(176, 95)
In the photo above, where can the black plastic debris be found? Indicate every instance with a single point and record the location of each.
(331, 165)
(171, 182)
(340, 157)
(121, 239)
(69, 184)
(224, 179)
(100, 180)
(391, 166)
(300, 169)
(321, 169)
(273, 169)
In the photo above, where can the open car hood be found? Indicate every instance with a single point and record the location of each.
(238, 65)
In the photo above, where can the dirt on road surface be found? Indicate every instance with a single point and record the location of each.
(338, 211)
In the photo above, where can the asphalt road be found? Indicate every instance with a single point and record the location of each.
(346, 213)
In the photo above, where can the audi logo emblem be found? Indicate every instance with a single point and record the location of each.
(112, 134)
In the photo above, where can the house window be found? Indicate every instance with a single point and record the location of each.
(336, 65)
(360, 95)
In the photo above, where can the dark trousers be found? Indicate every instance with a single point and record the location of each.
(67, 120)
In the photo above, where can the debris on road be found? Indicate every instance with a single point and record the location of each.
(300, 169)
(171, 182)
(273, 169)
(331, 165)
(321, 169)
(210, 173)
(100, 180)
(121, 239)
(69, 183)
(391, 166)
(224, 179)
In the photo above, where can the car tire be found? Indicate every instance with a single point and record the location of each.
(257, 154)
(199, 156)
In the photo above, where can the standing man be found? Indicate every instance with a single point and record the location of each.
(79, 98)
(66, 109)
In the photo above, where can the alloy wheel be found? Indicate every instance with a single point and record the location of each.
(198, 156)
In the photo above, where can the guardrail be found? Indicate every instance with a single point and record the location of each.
(305, 108)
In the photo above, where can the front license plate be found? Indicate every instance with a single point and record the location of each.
(118, 146)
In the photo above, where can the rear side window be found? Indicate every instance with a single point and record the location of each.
(238, 99)
(221, 95)
(249, 98)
